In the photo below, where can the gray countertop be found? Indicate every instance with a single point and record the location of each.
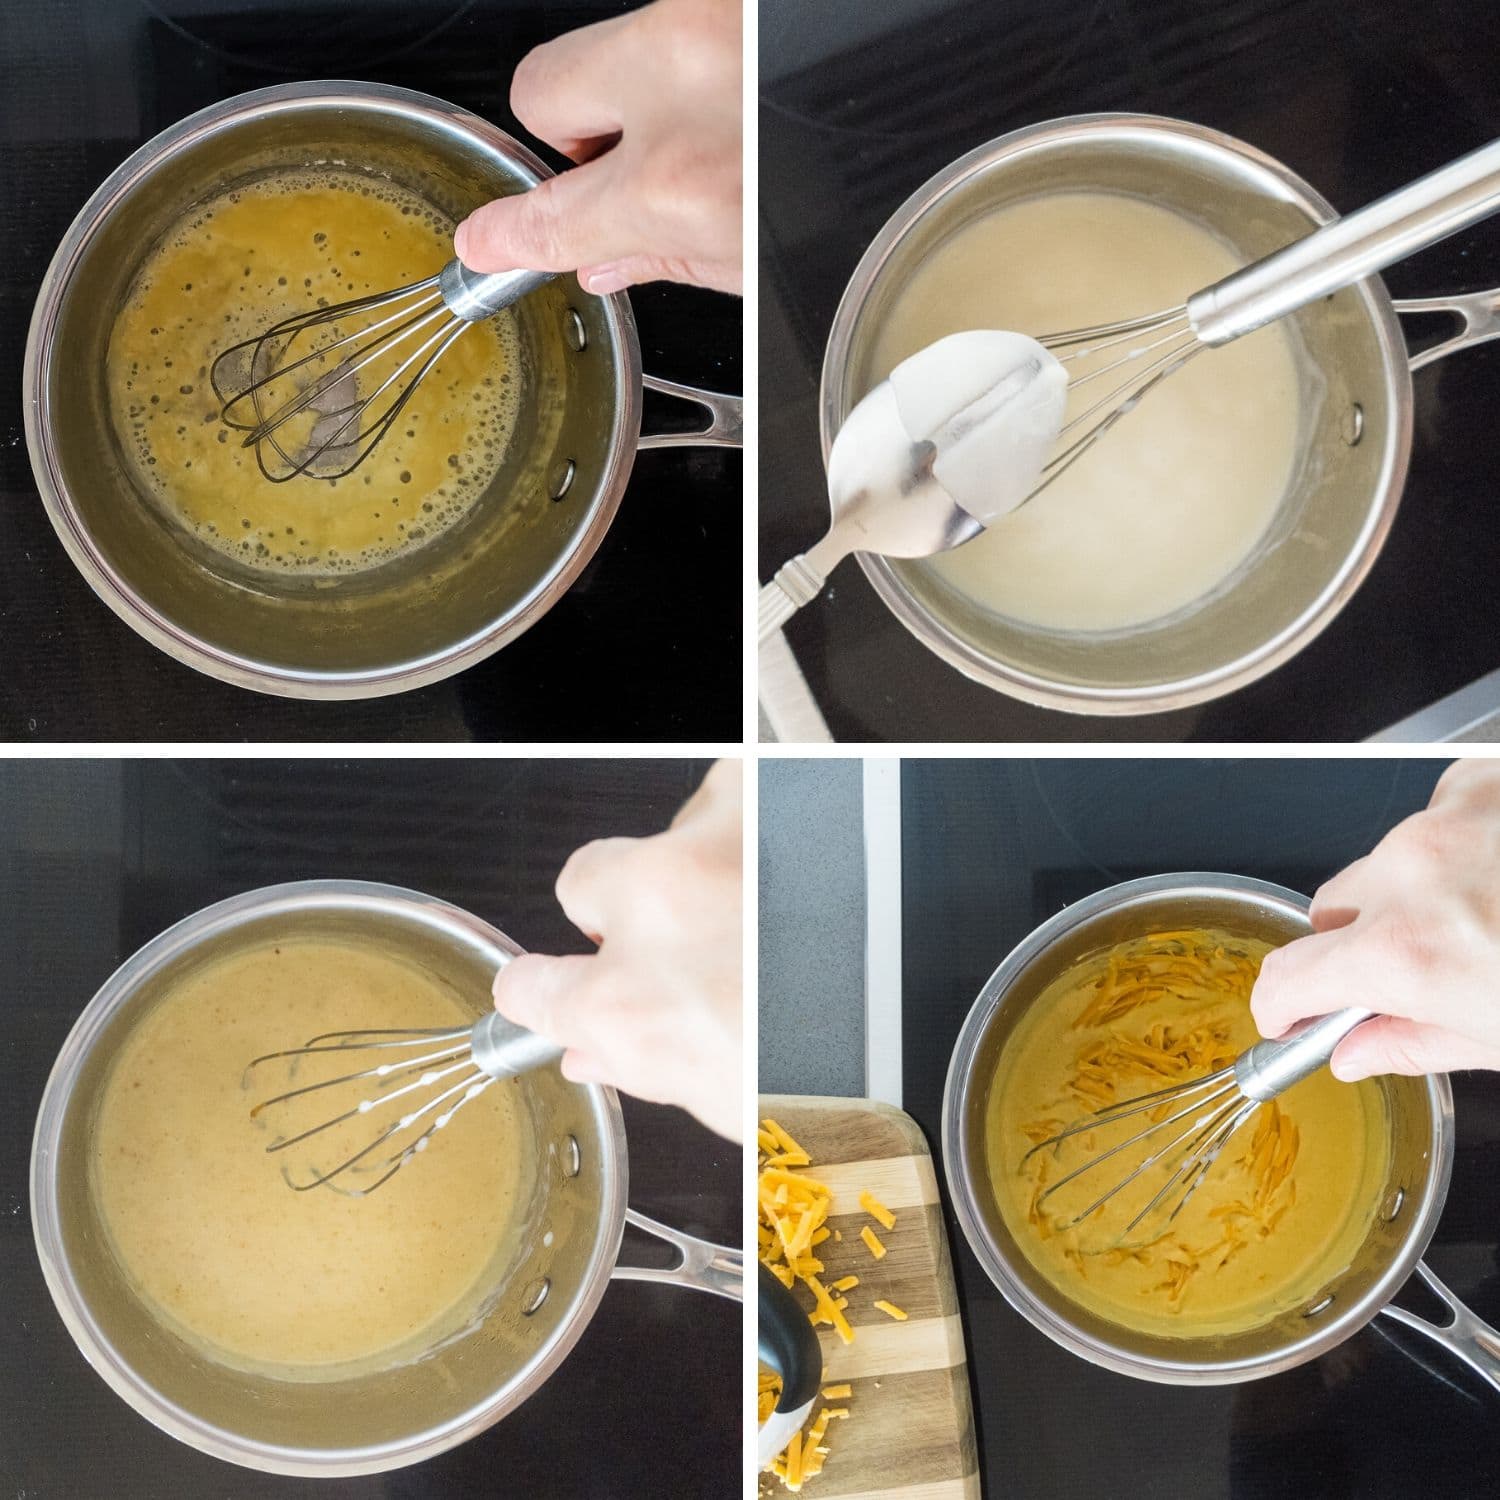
(812, 927)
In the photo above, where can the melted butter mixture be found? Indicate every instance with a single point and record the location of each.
(246, 260)
(201, 1220)
(1284, 1208)
(1173, 498)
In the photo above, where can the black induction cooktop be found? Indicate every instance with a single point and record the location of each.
(860, 104)
(97, 857)
(992, 848)
(82, 84)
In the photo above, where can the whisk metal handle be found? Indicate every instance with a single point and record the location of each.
(474, 295)
(503, 1049)
(1335, 256)
(1271, 1068)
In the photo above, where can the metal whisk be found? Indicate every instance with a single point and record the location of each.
(315, 393)
(453, 1066)
(1212, 1109)
(1151, 348)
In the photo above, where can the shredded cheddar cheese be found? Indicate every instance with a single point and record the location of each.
(794, 1209)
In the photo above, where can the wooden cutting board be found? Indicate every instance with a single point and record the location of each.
(910, 1431)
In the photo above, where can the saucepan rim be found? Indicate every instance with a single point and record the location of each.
(300, 897)
(1151, 697)
(122, 597)
(966, 1175)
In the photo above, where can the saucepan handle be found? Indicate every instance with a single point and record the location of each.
(1468, 1337)
(1478, 314)
(703, 1267)
(726, 422)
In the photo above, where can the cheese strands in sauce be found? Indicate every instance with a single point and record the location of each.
(1282, 1210)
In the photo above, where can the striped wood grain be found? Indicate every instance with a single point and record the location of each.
(910, 1431)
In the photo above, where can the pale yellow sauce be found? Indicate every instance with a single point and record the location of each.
(1172, 500)
(241, 263)
(206, 1228)
(1283, 1209)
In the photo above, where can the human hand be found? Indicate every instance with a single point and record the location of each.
(649, 104)
(1411, 931)
(656, 1011)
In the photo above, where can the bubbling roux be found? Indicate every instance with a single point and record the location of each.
(1175, 497)
(301, 1285)
(236, 265)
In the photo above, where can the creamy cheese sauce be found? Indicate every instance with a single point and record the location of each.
(211, 1236)
(243, 262)
(1284, 1208)
(1175, 497)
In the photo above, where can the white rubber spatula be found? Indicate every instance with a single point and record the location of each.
(954, 439)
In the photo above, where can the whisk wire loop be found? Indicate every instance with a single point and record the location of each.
(379, 1070)
(251, 378)
(1194, 1162)
(443, 339)
(470, 1087)
(460, 1062)
(1217, 1107)
(1105, 1118)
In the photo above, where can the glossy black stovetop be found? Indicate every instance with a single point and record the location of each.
(97, 857)
(992, 848)
(82, 83)
(860, 104)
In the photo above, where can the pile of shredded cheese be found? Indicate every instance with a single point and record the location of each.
(793, 1223)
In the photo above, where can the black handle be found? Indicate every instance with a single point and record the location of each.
(788, 1344)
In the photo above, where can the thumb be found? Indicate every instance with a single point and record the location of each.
(565, 222)
(1390, 1044)
(541, 993)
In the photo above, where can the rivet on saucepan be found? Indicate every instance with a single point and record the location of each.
(1393, 1205)
(1354, 424)
(564, 480)
(534, 1295)
(1321, 1305)
(578, 339)
(572, 1157)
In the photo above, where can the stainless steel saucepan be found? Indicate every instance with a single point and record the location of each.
(419, 618)
(557, 1265)
(1353, 447)
(1420, 1112)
